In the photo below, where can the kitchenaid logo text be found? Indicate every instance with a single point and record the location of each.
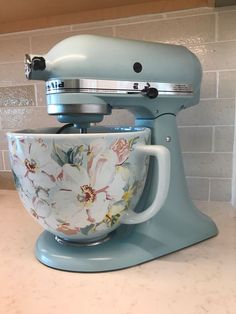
(51, 85)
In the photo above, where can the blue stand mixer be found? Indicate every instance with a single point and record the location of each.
(86, 77)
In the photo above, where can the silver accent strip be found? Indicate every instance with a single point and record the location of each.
(111, 87)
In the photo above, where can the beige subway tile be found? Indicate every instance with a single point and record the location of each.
(195, 11)
(106, 31)
(227, 84)
(226, 8)
(1, 161)
(93, 25)
(216, 56)
(208, 164)
(195, 139)
(6, 159)
(208, 112)
(41, 94)
(224, 139)
(13, 73)
(26, 117)
(5, 84)
(13, 49)
(186, 30)
(227, 25)
(198, 188)
(3, 140)
(139, 19)
(118, 117)
(41, 44)
(220, 190)
(121, 21)
(17, 96)
(48, 31)
(6, 181)
(208, 86)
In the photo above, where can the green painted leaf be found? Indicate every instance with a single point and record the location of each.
(126, 187)
(86, 229)
(115, 219)
(58, 155)
(16, 180)
(133, 141)
(126, 165)
(74, 154)
(121, 202)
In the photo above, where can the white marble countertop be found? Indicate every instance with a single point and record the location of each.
(198, 280)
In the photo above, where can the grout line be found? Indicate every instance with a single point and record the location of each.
(233, 183)
(169, 17)
(3, 161)
(11, 62)
(30, 44)
(220, 70)
(209, 191)
(213, 139)
(192, 45)
(217, 84)
(216, 26)
(36, 94)
(32, 32)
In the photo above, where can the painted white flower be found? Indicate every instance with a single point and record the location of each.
(85, 194)
(31, 160)
(36, 199)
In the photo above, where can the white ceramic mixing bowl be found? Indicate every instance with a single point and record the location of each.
(80, 187)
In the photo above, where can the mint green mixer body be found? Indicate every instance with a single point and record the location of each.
(89, 76)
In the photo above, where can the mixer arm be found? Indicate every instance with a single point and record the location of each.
(101, 73)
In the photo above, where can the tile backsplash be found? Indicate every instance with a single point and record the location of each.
(206, 130)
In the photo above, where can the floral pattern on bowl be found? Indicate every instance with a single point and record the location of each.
(77, 188)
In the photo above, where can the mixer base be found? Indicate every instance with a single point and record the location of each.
(129, 245)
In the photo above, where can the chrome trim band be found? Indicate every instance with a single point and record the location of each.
(111, 87)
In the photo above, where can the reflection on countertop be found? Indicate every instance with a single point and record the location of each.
(197, 280)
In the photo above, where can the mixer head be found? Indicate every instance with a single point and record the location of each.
(87, 76)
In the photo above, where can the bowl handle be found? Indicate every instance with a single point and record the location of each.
(162, 154)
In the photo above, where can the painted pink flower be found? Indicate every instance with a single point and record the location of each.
(121, 147)
(67, 229)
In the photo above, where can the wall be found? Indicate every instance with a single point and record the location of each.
(206, 130)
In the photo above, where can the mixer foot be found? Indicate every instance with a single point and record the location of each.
(129, 245)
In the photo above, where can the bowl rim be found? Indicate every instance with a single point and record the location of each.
(111, 131)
